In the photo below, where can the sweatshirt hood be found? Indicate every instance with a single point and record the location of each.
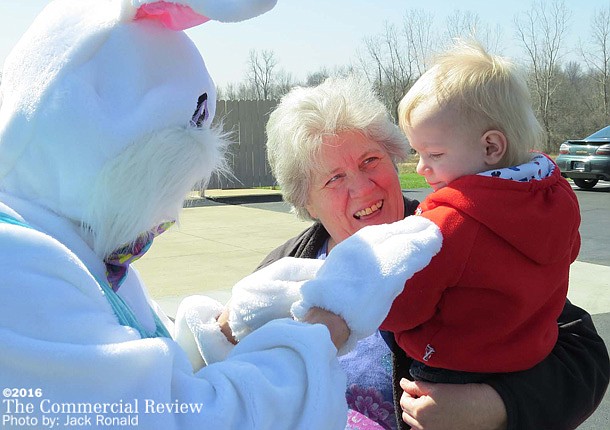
(520, 212)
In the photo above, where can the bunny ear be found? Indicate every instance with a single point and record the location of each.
(218, 10)
(171, 15)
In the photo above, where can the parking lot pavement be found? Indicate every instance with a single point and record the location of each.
(217, 244)
(213, 247)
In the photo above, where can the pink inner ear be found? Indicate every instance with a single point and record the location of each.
(171, 15)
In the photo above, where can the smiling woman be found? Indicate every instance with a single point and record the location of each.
(341, 115)
(334, 151)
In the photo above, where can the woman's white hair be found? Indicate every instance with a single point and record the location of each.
(306, 115)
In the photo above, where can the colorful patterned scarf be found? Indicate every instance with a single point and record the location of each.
(118, 262)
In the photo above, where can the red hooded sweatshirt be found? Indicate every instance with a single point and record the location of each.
(489, 300)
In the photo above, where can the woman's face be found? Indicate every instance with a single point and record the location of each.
(355, 185)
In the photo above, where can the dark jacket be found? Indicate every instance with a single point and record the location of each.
(559, 393)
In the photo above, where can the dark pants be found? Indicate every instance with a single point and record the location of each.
(420, 372)
(401, 368)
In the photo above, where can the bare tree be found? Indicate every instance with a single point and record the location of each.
(317, 77)
(284, 81)
(369, 63)
(246, 91)
(541, 31)
(389, 65)
(421, 44)
(462, 24)
(575, 103)
(228, 92)
(260, 73)
(468, 25)
(597, 55)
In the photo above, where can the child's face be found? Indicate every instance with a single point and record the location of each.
(447, 147)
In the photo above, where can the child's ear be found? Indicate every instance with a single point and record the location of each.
(495, 145)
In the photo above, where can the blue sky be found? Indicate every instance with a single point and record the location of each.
(308, 35)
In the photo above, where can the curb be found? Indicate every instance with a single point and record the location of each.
(232, 199)
(246, 198)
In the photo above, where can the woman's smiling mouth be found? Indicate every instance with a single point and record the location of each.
(369, 210)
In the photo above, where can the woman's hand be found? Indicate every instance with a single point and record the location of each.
(223, 322)
(429, 406)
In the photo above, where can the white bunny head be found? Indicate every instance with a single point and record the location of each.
(106, 111)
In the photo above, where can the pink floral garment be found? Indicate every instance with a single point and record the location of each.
(357, 421)
(369, 381)
(369, 402)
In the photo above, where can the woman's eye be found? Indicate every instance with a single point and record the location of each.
(370, 160)
(332, 180)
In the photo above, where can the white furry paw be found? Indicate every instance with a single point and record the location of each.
(198, 332)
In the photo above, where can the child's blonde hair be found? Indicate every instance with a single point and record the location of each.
(486, 90)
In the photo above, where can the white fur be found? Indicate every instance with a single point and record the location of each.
(198, 332)
(268, 294)
(362, 275)
(83, 88)
(146, 185)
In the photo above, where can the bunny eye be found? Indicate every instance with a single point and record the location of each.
(201, 112)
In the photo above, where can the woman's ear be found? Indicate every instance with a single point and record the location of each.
(495, 145)
(311, 210)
